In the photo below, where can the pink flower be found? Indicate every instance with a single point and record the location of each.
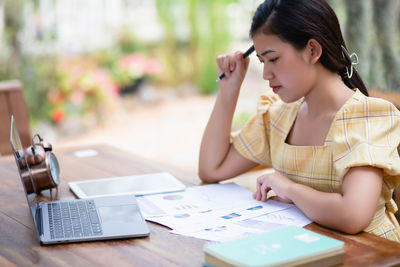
(153, 66)
(139, 65)
(105, 82)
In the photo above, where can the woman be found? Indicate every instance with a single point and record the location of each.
(333, 148)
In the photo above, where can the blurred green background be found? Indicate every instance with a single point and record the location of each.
(75, 57)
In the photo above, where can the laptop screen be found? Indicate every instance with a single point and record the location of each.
(22, 164)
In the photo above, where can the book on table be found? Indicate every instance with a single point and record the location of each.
(285, 246)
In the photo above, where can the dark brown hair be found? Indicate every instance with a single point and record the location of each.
(297, 21)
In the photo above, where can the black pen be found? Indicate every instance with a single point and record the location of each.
(246, 54)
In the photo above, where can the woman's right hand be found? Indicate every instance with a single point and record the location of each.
(235, 67)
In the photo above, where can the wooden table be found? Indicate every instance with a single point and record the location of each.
(20, 247)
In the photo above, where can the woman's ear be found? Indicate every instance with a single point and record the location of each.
(315, 50)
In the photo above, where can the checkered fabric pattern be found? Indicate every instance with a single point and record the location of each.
(364, 132)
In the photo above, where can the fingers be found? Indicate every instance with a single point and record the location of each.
(257, 194)
(262, 190)
(226, 64)
(238, 55)
(229, 62)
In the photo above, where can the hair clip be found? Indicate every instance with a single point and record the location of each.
(353, 59)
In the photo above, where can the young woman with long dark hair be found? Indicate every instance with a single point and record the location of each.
(333, 148)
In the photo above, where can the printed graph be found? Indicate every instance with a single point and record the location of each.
(181, 216)
(230, 216)
(216, 229)
(256, 208)
(173, 197)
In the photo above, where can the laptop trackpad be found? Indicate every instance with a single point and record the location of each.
(120, 214)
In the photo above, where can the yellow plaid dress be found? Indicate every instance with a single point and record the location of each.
(364, 132)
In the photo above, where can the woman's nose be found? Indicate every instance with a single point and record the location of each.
(267, 73)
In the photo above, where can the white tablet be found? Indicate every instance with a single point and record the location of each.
(137, 185)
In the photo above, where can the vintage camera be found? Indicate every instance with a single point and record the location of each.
(43, 166)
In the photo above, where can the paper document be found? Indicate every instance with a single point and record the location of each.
(189, 222)
(243, 228)
(196, 199)
(290, 216)
(218, 212)
(231, 231)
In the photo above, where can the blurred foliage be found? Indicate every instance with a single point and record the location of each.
(127, 43)
(82, 87)
(14, 65)
(13, 23)
(132, 67)
(128, 61)
(57, 87)
(194, 59)
(239, 120)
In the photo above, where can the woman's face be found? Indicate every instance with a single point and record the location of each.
(288, 70)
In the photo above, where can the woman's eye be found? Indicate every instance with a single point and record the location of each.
(273, 59)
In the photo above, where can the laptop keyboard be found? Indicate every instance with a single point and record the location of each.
(73, 219)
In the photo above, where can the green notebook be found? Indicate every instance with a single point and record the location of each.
(286, 246)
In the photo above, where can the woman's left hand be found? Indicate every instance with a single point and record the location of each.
(275, 182)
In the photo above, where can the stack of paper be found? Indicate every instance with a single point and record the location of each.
(218, 212)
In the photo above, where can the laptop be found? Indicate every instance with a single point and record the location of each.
(67, 221)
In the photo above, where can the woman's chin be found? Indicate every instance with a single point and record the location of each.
(288, 98)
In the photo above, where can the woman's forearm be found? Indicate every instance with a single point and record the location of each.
(217, 159)
(350, 211)
(215, 143)
(329, 209)
(324, 208)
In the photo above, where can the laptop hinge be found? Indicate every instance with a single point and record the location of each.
(38, 219)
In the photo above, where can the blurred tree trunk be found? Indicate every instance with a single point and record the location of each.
(386, 14)
(357, 36)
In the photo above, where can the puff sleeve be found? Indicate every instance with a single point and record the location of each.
(368, 134)
(252, 141)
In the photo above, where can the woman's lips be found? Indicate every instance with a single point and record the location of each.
(275, 89)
